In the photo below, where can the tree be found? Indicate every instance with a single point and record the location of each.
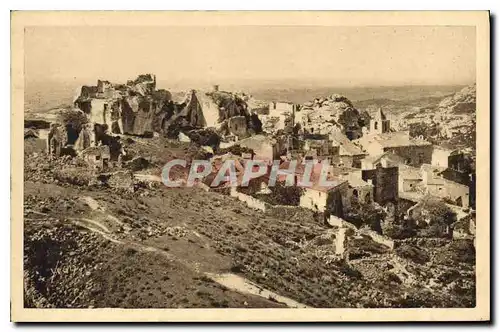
(283, 195)
(370, 214)
(74, 119)
(433, 216)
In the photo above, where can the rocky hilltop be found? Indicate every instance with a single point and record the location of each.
(139, 108)
(462, 102)
(336, 112)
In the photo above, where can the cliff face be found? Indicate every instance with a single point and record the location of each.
(137, 108)
(224, 111)
(138, 114)
(131, 108)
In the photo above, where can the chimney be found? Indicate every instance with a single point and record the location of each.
(215, 88)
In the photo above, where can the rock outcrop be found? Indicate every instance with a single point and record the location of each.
(125, 109)
(334, 113)
(226, 112)
(462, 102)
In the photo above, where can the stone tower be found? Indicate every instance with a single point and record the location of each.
(379, 124)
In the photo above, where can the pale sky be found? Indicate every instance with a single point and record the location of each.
(340, 56)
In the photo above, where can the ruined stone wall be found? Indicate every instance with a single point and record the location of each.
(238, 126)
(251, 202)
(288, 212)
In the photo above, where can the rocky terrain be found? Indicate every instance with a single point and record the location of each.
(91, 243)
(447, 120)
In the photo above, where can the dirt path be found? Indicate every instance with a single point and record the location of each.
(229, 280)
(243, 285)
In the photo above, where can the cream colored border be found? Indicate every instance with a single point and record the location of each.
(480, 19)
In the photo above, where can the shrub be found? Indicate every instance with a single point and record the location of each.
(413, 253)
(283, 195)
(73, 118)
(463, 251)
(399, 232)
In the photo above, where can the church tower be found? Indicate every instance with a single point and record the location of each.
(379, 124)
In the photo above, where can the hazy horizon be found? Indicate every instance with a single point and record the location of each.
(277, 56)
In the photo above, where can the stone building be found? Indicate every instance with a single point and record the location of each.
(104, 89)
(97, 156)
(410, 178)
(237, 126)
(277, 108)
(436, 185)
(56, 138)
(385, 183)
(264, 147)
(387, 159)
(322, 149)
(333, 198)
(85, 139)
(350, 155)
(414, 151)
(359, 189)
(379, 124)
(448, 157)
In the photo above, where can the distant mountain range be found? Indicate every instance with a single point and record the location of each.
(41, 96)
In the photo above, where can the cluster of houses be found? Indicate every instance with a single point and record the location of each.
(380, 165)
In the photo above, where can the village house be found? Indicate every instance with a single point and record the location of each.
(386, 159)
(265, 148)
(359, 189)
(436, 185)
(350, 155)
(379, 138)
(414, 151)
(317, 197)
(104, 89)
(334, 197)
(385, 181)
(321, 149)
(448, 157)
(410, 178)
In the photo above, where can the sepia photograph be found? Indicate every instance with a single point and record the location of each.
(308, 166)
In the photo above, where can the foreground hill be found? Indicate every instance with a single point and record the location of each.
(99, 246)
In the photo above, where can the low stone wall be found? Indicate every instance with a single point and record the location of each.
(286, 212)
(251, 202)
(423, 242)
(378, 238)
